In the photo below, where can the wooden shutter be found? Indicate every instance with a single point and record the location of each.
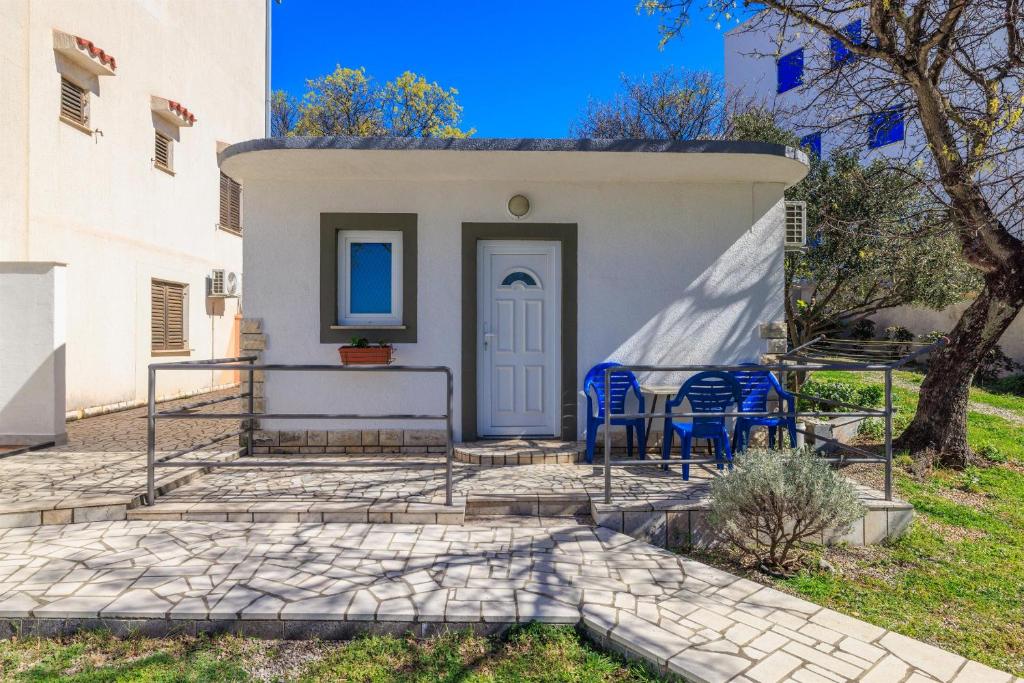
(162, 154)
(230, 204)
(74, 102)
(168, 318)
(158, 322)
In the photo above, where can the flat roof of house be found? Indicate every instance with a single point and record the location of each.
(338, 157)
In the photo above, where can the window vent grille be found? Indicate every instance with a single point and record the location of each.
(74, 102)
(163, 155)
(796, 225)
(217, 282)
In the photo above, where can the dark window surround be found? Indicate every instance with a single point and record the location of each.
(566, 233)
(330, 225)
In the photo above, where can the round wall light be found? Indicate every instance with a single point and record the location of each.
(519, 206)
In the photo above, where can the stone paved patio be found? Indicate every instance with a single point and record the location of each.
(102, 467)
(297, 580)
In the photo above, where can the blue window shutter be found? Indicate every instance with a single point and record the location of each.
(840, 53)
(370, 277)
(790, 70)
(886, 127)
(812, 143)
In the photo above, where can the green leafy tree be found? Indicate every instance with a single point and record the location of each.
(349, 102)
(878, 243)
(413, 107)
(953, 72)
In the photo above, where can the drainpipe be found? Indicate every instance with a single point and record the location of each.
(267, 102)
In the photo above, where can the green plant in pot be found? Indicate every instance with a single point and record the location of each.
(359, 351)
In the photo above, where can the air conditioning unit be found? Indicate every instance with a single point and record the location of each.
(225, 283)
(796, 226)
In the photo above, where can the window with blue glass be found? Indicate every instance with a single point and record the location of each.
(886, 127)
(812, 144)
(370, 277)
(840, 53)
(790, 70)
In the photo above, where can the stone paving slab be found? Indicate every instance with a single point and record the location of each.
(283, 579)
(101, 472)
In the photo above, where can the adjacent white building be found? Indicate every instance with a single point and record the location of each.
(761, 71)
(114, 113)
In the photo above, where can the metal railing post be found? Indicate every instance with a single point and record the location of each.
(151, 439)
(252, 402)
(888, 434)
(450, 441)
(607, 436)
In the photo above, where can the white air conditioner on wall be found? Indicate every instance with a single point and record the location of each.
(225, 283)
(796, 226)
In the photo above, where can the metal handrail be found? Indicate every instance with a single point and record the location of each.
(248, 364)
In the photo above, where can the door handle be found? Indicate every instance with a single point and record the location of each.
(487, 337)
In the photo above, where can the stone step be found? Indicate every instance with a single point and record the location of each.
(379, 512)
(528, 504)
(519, 452)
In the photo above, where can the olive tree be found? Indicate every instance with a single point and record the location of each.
(951, 72)
(877, 241)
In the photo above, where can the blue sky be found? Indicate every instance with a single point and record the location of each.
(523, 69)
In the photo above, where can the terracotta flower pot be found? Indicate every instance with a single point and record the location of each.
(366, 355)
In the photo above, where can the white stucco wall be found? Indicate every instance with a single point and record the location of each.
(668, 273)
(925, 320)
(97, 203)
(32, 385)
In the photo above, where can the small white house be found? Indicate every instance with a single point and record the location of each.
(517, 263)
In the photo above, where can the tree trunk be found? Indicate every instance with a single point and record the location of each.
(940, 424)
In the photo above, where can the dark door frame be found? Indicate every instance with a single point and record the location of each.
(566, 233)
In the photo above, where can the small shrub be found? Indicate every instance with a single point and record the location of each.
(872, 428)
(904, 461)
(1011, 384)
(863, 329)
(777, 500)
(994, 365)
(991, 453)
(898, 333)
(867, 396)
(870, 395)
(970, 481)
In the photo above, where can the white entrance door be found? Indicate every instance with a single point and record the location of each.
(519, 294)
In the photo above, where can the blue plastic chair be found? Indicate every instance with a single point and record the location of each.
(707, 392)
(756, 386)
(622, 383)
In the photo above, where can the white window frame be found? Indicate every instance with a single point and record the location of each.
(346, 317)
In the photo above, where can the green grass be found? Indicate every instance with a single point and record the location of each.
(533, 652)
(957, 578)
(990, 395)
